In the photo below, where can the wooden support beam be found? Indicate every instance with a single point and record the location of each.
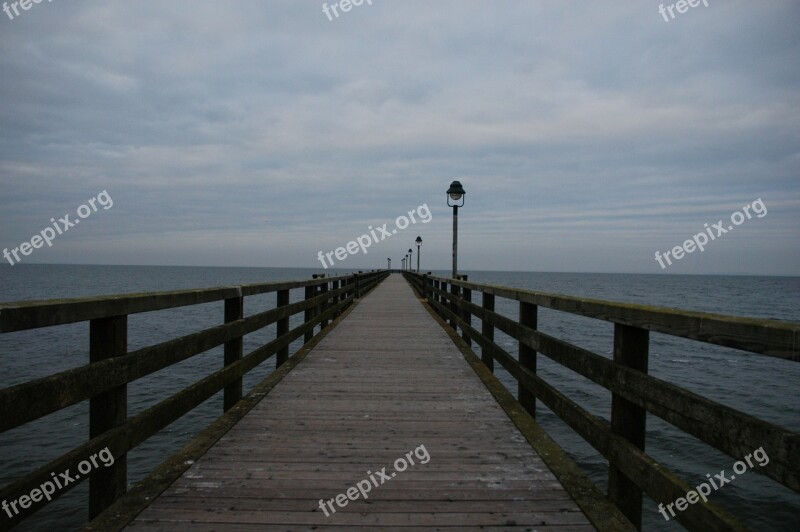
(282, 327)
(631, 347)
(487, 329)
(108, 338)
(529, 317)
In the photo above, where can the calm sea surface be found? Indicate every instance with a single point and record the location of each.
(761, 386)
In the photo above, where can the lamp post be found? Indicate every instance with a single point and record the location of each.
(404, 263)
(456, 194)
(410, 256)
(389, 264)
(419, 243)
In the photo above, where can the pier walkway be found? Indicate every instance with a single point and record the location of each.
(386, 388)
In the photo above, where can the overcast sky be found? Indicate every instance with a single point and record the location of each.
(588, 135)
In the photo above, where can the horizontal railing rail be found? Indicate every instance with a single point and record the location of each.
(634, 392)
(103, 382)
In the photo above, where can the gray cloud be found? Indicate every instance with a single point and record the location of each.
(587, 135)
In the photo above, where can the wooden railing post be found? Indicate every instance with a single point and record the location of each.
(358, 285)
(317, 291)
(453, 307)
(309, 314)
(108, 338)
(325, 304)
(529, 317)
(336, 285)
(487, 330)
(234, 310)
(424, 286)
(466, 315)
(631, 349)
(282, 327)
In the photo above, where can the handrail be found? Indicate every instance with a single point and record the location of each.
(111, 367)
(22, 315)
(634, 392)
(762, 336)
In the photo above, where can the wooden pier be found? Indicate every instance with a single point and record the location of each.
(386, 378)
(385, 381)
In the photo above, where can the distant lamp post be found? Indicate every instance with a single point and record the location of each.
(410, 256)
(419, 243)
(455, 194)
(389, 264)
(403, 262)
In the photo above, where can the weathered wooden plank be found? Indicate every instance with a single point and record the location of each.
(371, 505)
(234, 470)
(534, 492)
(328, 488)
(213, 527)
(371, 519)
(22, 315)
(476, 467)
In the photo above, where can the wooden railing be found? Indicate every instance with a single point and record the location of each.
(634, 392)
(103, 381)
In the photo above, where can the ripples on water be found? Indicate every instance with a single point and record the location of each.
(761, 386)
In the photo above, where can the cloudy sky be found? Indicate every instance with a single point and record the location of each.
(588, 135)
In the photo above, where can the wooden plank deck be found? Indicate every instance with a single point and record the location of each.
(384, 382)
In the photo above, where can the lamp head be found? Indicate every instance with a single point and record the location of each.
(455, 193)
